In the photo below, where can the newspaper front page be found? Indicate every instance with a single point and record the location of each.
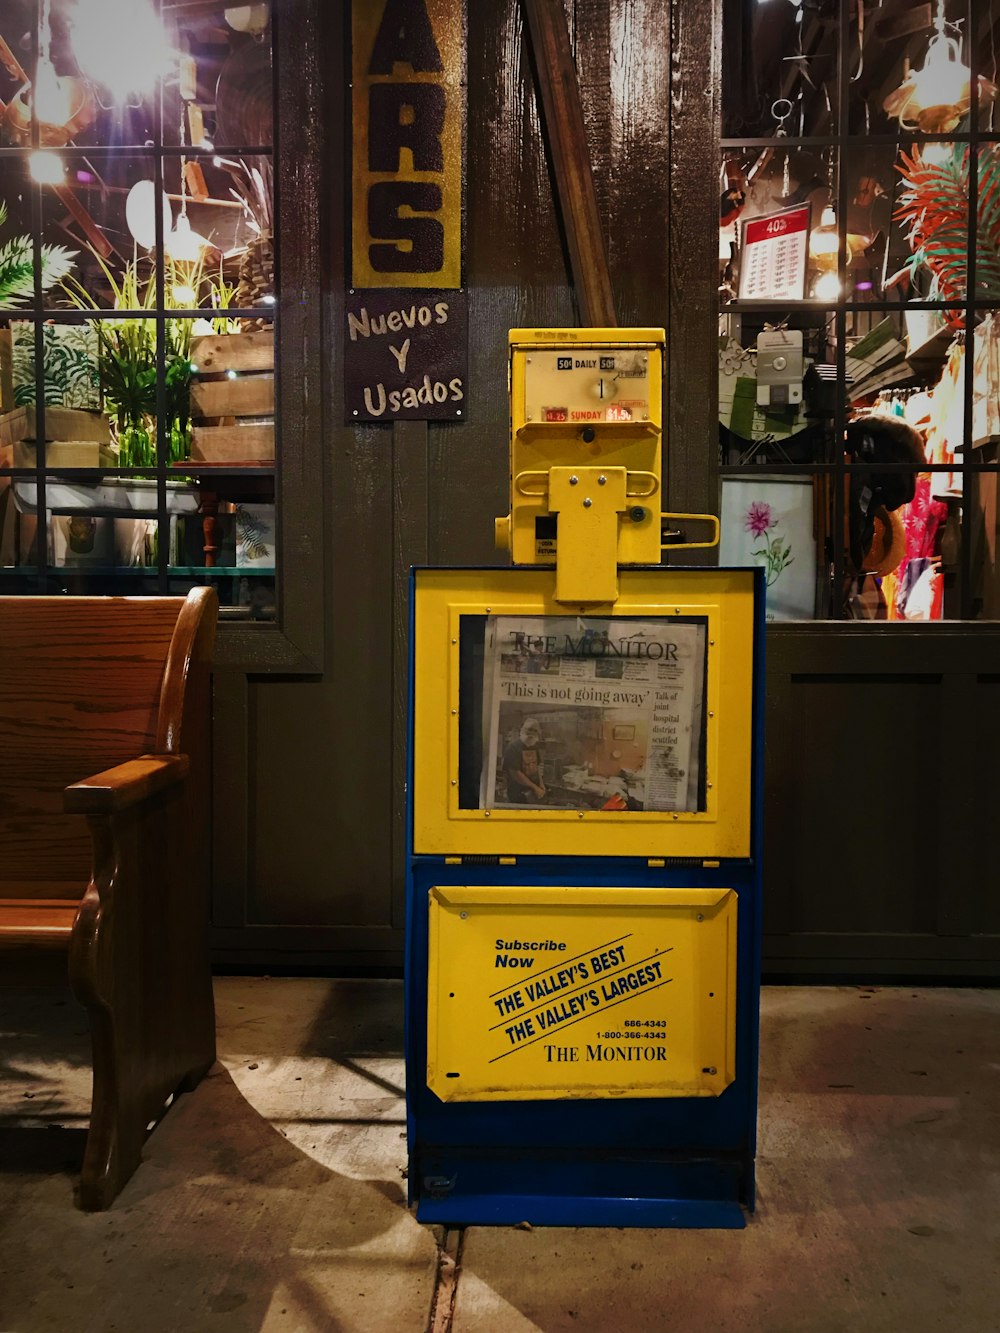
(595, 714)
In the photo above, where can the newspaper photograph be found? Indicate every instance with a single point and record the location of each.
(593, 714)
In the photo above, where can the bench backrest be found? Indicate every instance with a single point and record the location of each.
(87, 683)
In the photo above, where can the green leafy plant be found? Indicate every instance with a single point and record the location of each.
(934, 205)
(128, 351)
(17, 266)
(223, 295)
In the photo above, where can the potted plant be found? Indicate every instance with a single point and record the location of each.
(128, 357)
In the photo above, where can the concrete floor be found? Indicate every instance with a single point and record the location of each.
(272, 1198)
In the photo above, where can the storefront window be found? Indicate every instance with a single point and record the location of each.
(859, 281)
(137, 300)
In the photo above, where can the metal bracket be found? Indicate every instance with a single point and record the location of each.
(588, 501)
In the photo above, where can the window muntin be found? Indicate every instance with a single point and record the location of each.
(903, 277)
(150, 236)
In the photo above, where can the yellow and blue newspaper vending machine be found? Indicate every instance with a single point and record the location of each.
(583, 896)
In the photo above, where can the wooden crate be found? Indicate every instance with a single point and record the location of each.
(232, 415)
(73, 438)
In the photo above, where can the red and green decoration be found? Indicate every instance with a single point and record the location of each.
(935, 206)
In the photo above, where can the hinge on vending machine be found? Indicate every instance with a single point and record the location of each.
(482, 859)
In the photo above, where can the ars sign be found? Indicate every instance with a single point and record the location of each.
(408, 113)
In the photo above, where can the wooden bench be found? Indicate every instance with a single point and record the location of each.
(105, 810)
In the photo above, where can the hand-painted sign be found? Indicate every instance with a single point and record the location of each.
(405, 355)
(409, 114)
(580, 992)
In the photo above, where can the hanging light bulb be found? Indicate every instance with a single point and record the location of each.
(184, 244)
(826, 287)
(51, 95)
(824, 251)
(824, 242)
(46, 168)
(121, 45)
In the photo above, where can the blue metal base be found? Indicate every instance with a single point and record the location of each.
(498, 1189)
(498, 1210)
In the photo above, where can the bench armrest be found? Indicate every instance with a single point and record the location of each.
(125, 785)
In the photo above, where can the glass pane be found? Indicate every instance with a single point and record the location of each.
(231, 458)
(608, 716)
(913, 560)
(17, 268)
(903, 525)
(101, 206)
(779, 236)
(76, 430)
(779, 68)
(223, 94)
(985, 51)
(105, 58)
(910, 67)
(222, 220)
(777, 386)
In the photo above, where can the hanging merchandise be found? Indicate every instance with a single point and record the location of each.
(915, 591)
(947, 417)
(986, 383)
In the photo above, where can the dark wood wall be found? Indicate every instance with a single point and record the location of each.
(881, 845)
(309, 866)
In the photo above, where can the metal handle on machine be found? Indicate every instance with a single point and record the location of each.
(634, 492)
(652, 485)
(711, 519)
(522, 477)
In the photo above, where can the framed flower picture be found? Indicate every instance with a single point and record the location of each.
(768, 521)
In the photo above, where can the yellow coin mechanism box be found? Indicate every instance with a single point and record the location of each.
(587, 401)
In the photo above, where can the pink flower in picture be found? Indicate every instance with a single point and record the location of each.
(758, 518)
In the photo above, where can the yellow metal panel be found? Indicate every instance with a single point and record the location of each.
(723, 597)
(446, 24)
(580, 992)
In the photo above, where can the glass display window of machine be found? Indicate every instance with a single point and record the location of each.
(543, 728)
(560, 713)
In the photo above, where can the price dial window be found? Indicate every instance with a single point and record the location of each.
(581, 386)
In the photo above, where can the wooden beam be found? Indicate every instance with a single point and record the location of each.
(562, 115)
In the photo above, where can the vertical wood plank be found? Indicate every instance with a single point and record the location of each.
(410, 541)
(695, 83)
(623, 60)
(230, 799)
(299, 153)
